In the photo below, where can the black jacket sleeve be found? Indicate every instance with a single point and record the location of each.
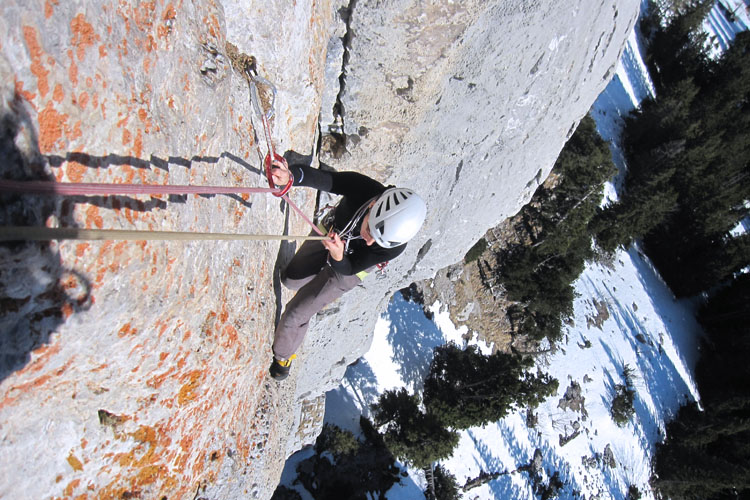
(351, 184)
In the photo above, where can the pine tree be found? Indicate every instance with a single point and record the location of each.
(688, 177)
(728, 312)
(539, 277)
(466, 388)
(707, 451)
(417, 437)
(677, 49)
(446, 486)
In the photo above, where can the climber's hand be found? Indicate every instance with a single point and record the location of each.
(279, 173)
(334, 246)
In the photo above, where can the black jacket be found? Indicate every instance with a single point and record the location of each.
(356, 189)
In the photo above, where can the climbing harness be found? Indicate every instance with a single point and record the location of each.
(325, 218)
(82, 189)
(347, 234)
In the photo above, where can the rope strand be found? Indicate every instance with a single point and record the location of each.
(20, 233)
(88, 188)
(9, 233)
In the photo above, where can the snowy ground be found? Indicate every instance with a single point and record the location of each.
(726, 19)
(646, 330)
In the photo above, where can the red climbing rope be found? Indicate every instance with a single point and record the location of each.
(93, 189)
(88, 189)
(271, 157)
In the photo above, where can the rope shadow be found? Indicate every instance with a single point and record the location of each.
(120, 201)
(241, 162)
(93, 161)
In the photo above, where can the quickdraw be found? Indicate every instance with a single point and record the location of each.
(271, 157)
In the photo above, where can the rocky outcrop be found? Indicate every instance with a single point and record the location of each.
(472, 293)
(139, 369)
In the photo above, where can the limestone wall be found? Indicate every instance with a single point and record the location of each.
(139, 368)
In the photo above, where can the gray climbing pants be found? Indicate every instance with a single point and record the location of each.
(317, 285)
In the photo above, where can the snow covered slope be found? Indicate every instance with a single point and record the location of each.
(646, 330)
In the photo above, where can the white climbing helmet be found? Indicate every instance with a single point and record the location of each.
(396, 217)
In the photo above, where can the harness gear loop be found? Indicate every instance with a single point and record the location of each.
(254, 79)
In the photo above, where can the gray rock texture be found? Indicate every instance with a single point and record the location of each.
(138, 369)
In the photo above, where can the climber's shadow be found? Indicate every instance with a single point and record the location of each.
(37, 293)
(287, 248)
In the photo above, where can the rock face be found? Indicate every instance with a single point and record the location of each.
(138, 369)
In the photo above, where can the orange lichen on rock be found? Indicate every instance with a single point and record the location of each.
(213, 25)
(81, 249)
(119, 248)
(74, 462)
(49, 7)
(67, 310)
(24, 93)
(169, 14)
(138, 144)
(146, 466)
(143, 15)
(126, 329)
(83, 35)
(232, 335)
(50, 128)
(157, 380)
(70, 488)
(37, 68)
(69, 282)
(58, 94)
(76, 133)
(75, 171)
(72, 70)
(126, 137)
(188, 391)
(93, 218)
(83, 99)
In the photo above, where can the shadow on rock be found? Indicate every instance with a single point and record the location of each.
(37, 293)
(110, 160)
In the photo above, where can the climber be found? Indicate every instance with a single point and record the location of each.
(369, 226)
